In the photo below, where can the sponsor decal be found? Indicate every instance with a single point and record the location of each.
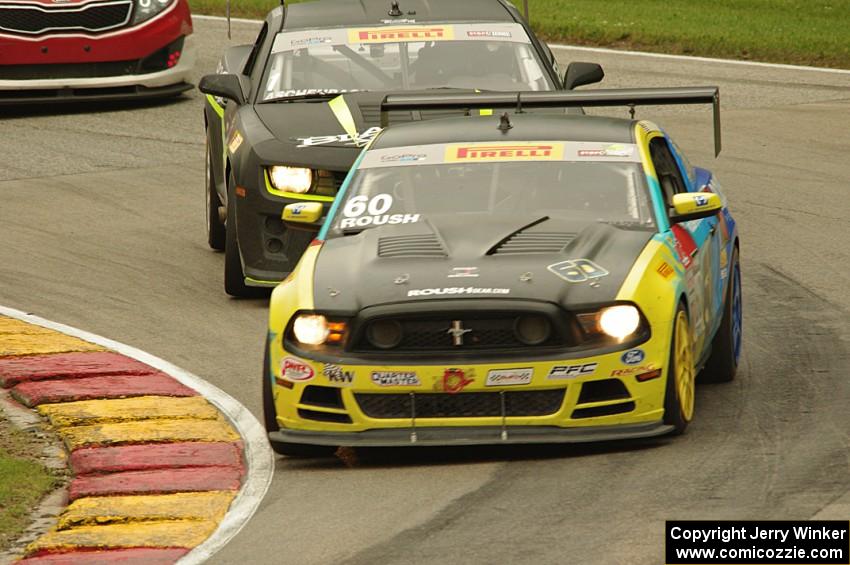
(375, 208)
(462, 272)
(577, 270)
(572, 371)
(391, 219)
(509, 377)
(471, 153)
(400, 34)
(665, 270)
(395, 378)
(297, 210)
(336, 375)
(399, 21)
(488, 33)
(454, 381)
(403, 158)
(633, 357)
(610, 151)
(310, 91)
(700, 200)
(296, 370)
(632, 370)
(307, 41)
(361, 138)
(457, 290)
(235, 141)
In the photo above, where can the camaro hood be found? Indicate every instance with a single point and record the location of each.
(448, 256)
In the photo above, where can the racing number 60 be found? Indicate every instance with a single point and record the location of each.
(357, 205)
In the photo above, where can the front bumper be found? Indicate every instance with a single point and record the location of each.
(484, 435)
(167, 82)
(577, 399)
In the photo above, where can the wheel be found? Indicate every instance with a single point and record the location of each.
(722, 365)
(215, 227)
(234, 277)
(680, 388)
(270, 421)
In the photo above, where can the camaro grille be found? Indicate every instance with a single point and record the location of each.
(32, 19)
(461, 405)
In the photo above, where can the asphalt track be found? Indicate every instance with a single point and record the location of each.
(101, 227)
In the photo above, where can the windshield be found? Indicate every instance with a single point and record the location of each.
(585, 182)
(405, 57)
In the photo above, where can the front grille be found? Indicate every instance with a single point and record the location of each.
(608, 410)
(427, 245)
(600, 391)
(461, 405)
(432, 334)
(31, 19)
(533, 242)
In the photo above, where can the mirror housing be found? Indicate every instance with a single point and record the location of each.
(689, 206)
(297, 214)
(578, 74)
(223, 85)
(235, 58)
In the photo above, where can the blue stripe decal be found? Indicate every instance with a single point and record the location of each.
(323, 233)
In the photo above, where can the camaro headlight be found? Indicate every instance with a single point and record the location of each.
(316, 329)
(290, 179)
(146, 9)
(619, 321)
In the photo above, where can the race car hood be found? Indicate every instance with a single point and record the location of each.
(443, 257)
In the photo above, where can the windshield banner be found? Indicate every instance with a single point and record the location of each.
(492, 152)
(293, 40)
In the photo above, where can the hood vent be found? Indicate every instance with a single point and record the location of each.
(533, 242)
(372, 115)
(424, 245)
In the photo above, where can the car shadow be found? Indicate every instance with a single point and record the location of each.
(52, 107)
(395, 457)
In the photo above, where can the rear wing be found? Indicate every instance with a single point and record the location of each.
(629, 97)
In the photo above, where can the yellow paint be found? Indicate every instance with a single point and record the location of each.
(148, 431)
(687, 203)
(302, 212)
(20, 338)
(342, 113)
(89, 412)
(182, 533)
(99, 510)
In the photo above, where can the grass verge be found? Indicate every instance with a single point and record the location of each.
(23, 481)
(779, 31)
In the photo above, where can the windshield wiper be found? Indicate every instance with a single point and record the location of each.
(306, 97)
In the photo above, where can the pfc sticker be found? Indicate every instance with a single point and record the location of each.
(509, 377)
(572, 371)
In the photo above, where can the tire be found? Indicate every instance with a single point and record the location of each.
(234, 276)
(722, 365)
(680, 387)
(215, 227)
(270, 421)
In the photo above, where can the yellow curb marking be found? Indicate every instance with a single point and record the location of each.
(148, 431)
(182, 533)
(130, 509)
(21, 338)
(88, 412)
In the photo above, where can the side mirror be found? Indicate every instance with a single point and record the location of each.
(578, 74)
(302, 213)
(235, 58)
(695, 205)
(223, 85)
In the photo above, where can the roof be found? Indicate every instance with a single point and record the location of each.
(535, 126)
(324, 13)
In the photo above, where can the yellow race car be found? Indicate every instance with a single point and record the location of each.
(524, 278)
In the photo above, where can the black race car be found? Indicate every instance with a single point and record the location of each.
(287, 116)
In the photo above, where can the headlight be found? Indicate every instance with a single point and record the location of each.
(619, 321)
(290, 179)
(311, 329)
(146, 9)
(315, 329)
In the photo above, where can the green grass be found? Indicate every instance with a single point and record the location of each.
(779, 31)
(23, 481)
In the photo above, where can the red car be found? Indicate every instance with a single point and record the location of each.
(63, 50)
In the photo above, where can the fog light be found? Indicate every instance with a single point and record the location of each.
(384, 334)
(532, 330)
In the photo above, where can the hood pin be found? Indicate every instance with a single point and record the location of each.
(332, 292)
(594, 283)
(402, 279)
(525, 277)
